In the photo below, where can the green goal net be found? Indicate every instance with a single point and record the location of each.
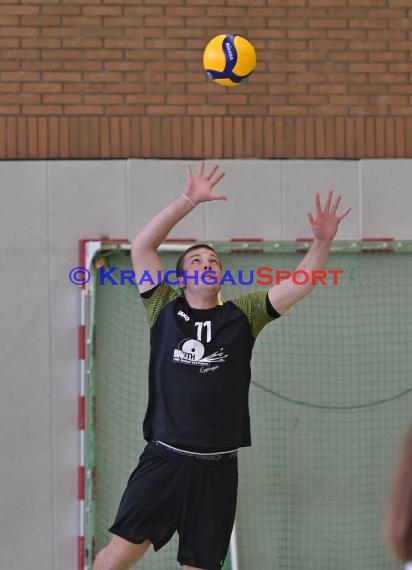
(330, 400)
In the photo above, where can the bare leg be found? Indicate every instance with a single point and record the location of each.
(120, 554)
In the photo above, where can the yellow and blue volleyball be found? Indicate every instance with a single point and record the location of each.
(229, 59)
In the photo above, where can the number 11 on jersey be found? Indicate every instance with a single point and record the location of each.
(208, 326)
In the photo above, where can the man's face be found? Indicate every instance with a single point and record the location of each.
(196, 265)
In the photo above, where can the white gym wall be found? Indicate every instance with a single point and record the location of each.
(45, 208)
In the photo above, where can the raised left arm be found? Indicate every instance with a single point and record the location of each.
(324, 226)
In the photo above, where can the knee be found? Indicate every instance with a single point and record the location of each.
(109, 560)
(120, 554)
(104, 561)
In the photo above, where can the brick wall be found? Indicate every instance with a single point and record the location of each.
(124, 78)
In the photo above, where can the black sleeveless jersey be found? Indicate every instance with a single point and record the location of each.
(199, 371)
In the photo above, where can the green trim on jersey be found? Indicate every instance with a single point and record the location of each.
(162, 295)
(254, 307)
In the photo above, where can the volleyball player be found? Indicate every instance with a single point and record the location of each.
(199, 374)
(398, 524)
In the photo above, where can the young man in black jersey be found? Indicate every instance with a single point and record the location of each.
(199, 374)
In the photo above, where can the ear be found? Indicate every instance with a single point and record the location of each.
(182, 284)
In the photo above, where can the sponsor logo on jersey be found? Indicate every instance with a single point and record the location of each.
(183, 315)
(192, 352)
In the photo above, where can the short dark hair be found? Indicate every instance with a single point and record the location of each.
(180, 261)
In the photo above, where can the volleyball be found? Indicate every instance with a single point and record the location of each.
(229, 59)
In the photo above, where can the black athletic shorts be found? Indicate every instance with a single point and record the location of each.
(194, 495)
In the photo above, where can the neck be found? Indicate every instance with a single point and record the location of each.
(196, 301)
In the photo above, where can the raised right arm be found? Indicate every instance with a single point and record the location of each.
(147, 240)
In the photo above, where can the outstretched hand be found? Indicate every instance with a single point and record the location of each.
(325, 222)
(199, 186)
